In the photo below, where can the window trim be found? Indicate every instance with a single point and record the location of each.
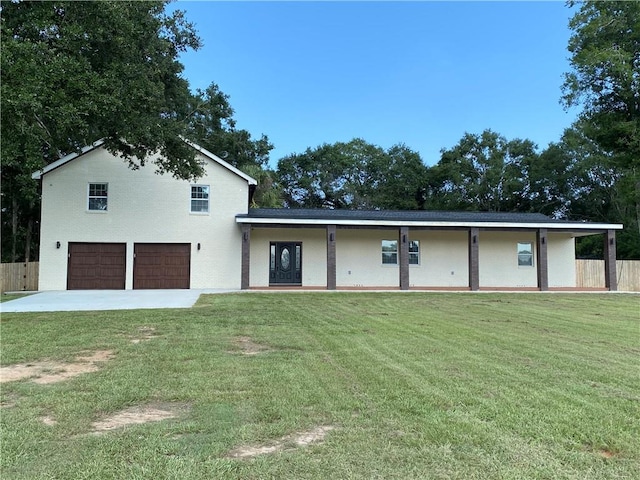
(389, 252)
(200, 199)
(527, 251)
(89, 197)
(415, 254)
(396, 252)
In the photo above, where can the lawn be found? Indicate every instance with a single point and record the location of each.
(327, 385)
(5, 297)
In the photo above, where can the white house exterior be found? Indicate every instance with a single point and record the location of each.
(142, 208)
(428, 250)
(107, 226)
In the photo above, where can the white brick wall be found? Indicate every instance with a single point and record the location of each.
(142, 207)
(444, 257)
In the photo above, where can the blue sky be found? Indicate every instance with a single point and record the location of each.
(418, 73)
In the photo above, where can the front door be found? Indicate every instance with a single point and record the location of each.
(286, 263)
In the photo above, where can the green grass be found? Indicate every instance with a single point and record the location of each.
(5, 297)
(419, 385)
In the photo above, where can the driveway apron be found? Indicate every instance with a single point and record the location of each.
(86, 300)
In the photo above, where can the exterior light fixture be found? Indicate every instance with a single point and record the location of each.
(57, 244)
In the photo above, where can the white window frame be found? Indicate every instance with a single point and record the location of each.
(388, 251)
(525, 250)
(415, 254)
(91, 197)
(412, 254)
(199, 199)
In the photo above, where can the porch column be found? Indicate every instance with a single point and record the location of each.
(610, 274)
(474, 259)
(245, 262)
(403, 253)
(331, 257)
(543, 263)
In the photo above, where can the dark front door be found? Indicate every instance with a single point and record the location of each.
(286, 263)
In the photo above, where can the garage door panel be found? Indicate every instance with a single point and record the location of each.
(164, 265)
(96, 266)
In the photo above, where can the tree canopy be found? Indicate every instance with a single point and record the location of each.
(75, 72)
(605, 83)
(354, 175)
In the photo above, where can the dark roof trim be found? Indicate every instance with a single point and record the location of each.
(426, 218)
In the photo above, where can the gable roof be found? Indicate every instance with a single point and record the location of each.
(415, 218)
(72, 156)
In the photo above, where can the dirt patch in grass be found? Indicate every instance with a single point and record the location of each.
(297, 440)
(246, 346)
(51, 372)
(138, 415)
(144, 334)
(48, 420)
(604, 453)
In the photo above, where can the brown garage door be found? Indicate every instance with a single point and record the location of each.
(96, 266)
(161, 265)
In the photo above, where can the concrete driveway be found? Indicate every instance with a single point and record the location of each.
(83, 300)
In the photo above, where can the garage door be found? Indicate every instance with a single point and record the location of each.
(161, 265)
(96, 266)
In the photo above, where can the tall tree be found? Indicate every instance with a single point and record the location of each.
(484, 172)
(212, 126)
(605, 82)
(75, 72)
(354, 175)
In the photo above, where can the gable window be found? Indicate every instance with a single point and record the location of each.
(389, 252)
(98, 196)
(525, 254)
(200, 198)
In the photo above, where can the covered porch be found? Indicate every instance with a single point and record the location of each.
(422, 250)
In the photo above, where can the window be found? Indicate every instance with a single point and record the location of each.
(389, 252)
(414, 252)
(98, 196)
(525, 254)
(200, 198)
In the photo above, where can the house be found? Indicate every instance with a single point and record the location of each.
(106, 226)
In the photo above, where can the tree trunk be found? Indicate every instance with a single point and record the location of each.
(27, 241)
(637, 202)
(14, 229)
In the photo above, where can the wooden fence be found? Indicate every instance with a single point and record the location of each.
(589, 274)
(19, 276)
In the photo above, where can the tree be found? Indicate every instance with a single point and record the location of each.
(353, 175)
(605, 82)
(596, 190)
(75, 72)
(212, 126)
(484, 172)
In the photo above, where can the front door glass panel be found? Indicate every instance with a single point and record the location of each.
(285, 263)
